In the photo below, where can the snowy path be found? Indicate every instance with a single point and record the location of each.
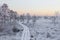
(26, 33)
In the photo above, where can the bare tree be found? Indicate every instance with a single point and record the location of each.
(28, 17)
(55, 18)
(34, 18)
(22, 18)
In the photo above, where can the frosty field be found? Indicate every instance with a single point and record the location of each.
(27, 27)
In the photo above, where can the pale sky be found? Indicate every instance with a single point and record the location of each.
(37, 7)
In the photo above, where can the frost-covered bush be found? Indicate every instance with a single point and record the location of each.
(7, 19)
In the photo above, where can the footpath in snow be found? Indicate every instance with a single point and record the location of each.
(25, 34)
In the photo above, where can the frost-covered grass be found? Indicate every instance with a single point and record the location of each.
(46, 30)
(43, 29)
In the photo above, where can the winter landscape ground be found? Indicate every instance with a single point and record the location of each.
(27, 27)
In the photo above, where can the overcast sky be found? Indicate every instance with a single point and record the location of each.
(38, 7)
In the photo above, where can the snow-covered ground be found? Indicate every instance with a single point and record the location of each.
(25, 34)
(45, 30)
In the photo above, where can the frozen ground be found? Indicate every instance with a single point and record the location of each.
(25, 34)
(43, 29)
